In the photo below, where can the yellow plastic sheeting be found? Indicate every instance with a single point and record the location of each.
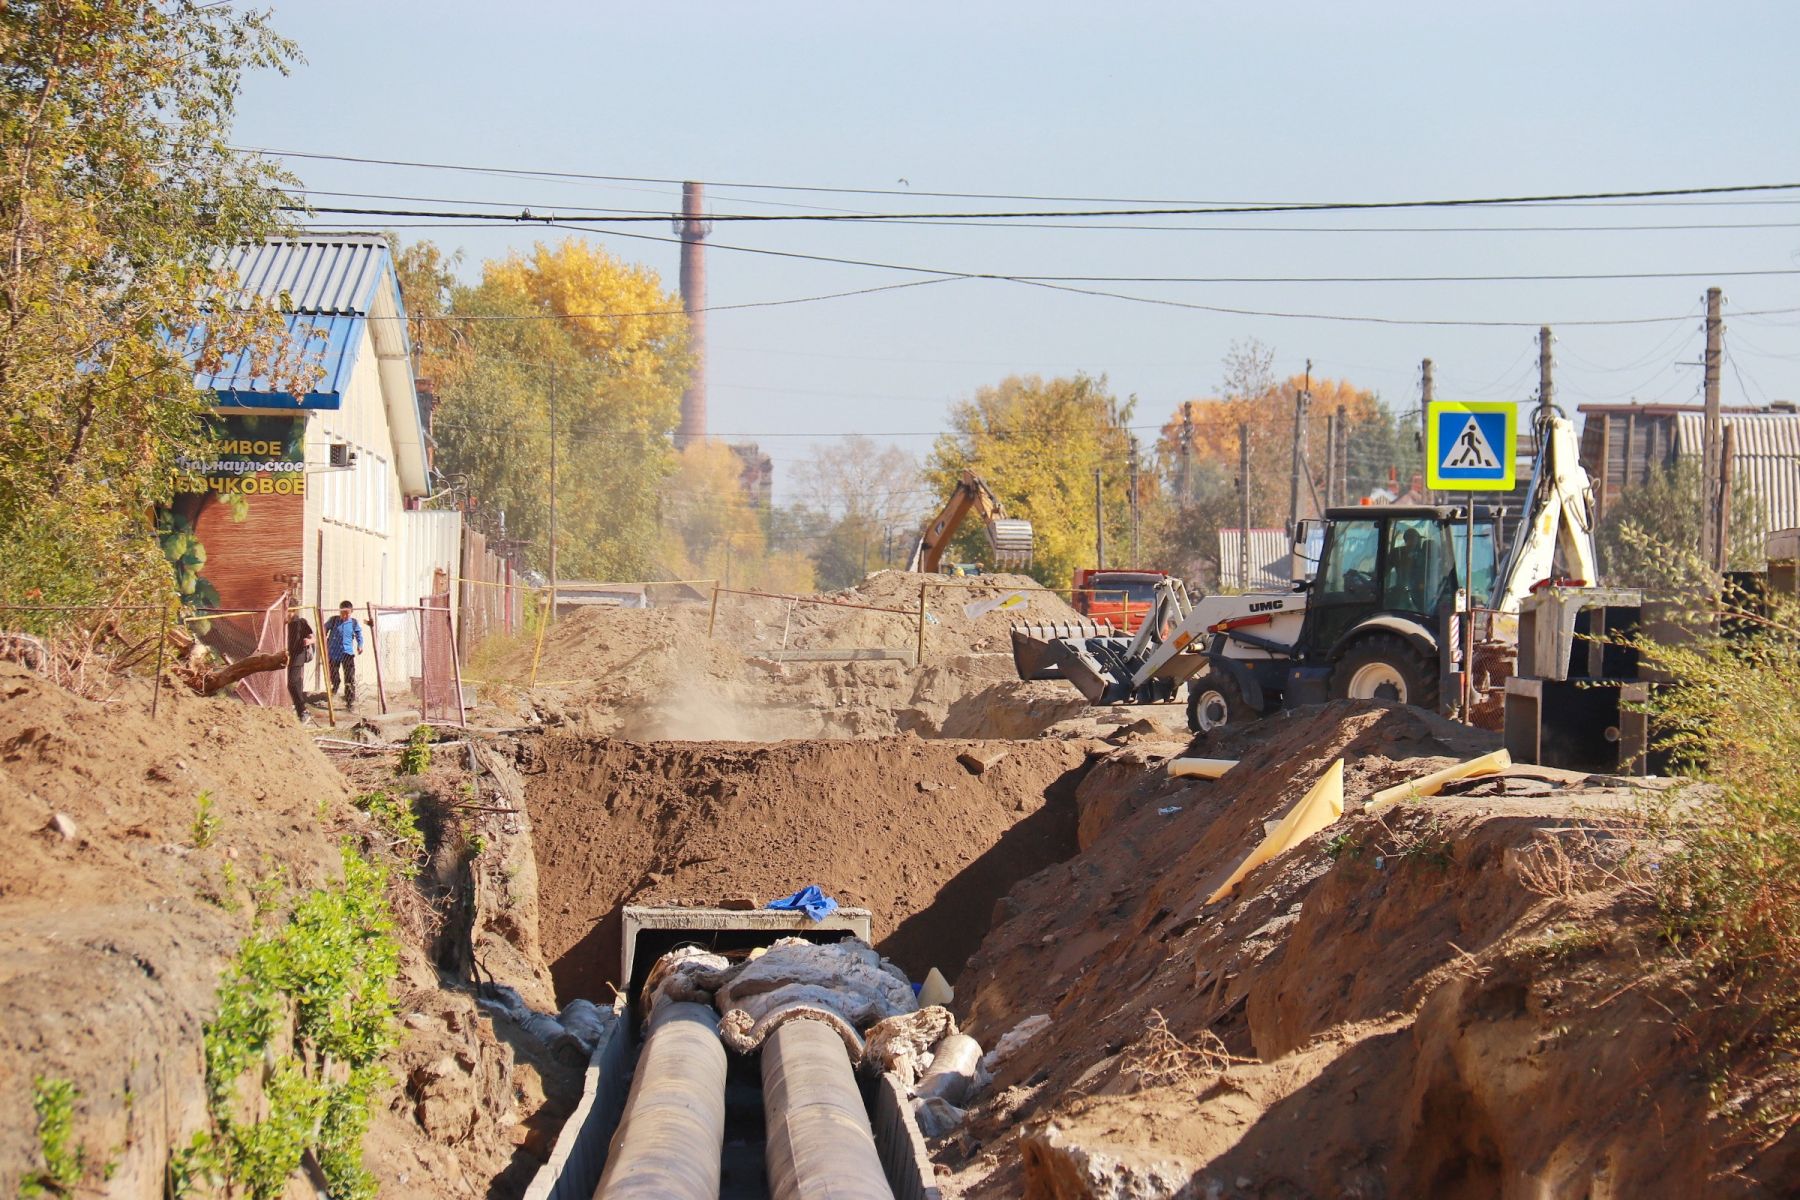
(1200, 768)
(1322, 805)
(1432, 784)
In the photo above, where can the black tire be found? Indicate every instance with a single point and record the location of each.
(1214, 703)
(1383, 666)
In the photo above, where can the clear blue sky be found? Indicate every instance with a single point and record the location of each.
(1303, 101)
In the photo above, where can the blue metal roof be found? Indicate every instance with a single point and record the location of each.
(331, 342)
(312, 274)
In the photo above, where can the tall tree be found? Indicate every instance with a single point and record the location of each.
(1036, 442)
(117, 185)
(861, 499)
(600, 338)
(711, 530)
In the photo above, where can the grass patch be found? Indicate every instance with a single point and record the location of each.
(415, 757)
(65, 1162)
(207, 822)
(398, 826)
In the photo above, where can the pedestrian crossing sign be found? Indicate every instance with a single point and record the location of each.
(1471, 446)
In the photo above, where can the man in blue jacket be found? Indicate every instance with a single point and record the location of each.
(343, 642)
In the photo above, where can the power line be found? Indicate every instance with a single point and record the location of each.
(1187, 205)
(1178, 211)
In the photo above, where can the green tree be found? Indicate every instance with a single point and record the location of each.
(1037, 442)
(1664, 511)
(117, 186)
(601, 337)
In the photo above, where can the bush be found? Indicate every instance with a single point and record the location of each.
(1729, 892)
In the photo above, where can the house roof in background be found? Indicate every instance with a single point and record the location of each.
(332, 341)
(1765, 453)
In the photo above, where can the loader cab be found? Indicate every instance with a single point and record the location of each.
(1402, 562)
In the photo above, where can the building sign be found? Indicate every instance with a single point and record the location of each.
(252, 456)
(1471, 446)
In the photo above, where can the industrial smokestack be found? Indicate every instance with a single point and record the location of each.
(693, 228)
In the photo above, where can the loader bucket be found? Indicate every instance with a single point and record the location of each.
(1035, 651)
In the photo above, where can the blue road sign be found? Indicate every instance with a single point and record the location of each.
(1471, 446)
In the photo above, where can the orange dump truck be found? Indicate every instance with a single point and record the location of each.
(1121, 597)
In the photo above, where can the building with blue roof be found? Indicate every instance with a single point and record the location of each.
(316, 497)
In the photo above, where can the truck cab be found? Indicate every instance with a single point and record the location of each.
(1120, 598)
(1378, 606)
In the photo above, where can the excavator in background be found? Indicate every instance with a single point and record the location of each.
(1380, 617)
(1008, 538)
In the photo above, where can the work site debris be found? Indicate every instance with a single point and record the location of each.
(1200, 768)
(1011, 1040)
(847, 977)
(981, 759)
(686, 974)
(810, 900)
(569, 1037)
(903, 1044)
(1432, 784)
(936, 989)
(1322, 804)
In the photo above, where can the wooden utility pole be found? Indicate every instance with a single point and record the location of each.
(1427, 393)
(553, 575)
(1712, 523)
(1099, 526)
(1135, 560)
(1244, 505)
(1546, 385)
(1302, 399)
(1333, 423)
(1187, 451)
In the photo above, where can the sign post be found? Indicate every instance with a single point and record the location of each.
(1470, 446)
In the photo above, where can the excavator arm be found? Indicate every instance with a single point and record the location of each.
(1558, 524)
(1010, 540)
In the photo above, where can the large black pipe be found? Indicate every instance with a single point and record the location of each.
(668, 1143)
(819, 1142)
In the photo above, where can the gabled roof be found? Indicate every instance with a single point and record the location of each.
(334, 289)
(1765, 453)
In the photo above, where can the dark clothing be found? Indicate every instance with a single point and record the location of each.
(300, 652)
(346, 668)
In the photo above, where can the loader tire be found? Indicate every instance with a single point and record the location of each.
(1384, 667)
(1214, 702)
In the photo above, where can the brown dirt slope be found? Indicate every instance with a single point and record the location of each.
(112, 939)
(896, 825)
(1406, 1006)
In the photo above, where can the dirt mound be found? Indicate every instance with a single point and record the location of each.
(1399, 988)
(654, 674)
(896, 825)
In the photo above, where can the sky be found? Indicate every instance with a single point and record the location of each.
(1195, 103)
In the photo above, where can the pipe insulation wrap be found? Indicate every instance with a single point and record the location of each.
(819, 1141)
(669, 1141)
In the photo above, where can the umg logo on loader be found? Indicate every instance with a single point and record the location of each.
(1262, 606)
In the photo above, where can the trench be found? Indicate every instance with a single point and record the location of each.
(897, 825)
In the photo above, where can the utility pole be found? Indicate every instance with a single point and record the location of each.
(1187, 451)
(1712, 501)
(1135, 560)
(1244, 505)
(1427, 393)
(1546, 386)
(1099, 527)
(1302, 398)
(553, 576)
(1333, 424)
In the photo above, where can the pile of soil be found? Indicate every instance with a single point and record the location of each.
(1394, 1008)
(897, 825)
(652, 674)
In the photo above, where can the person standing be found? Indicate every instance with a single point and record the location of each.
(343, 642)
(300, 652)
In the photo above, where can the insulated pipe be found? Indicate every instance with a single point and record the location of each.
(673, 1130)
(819, 1142)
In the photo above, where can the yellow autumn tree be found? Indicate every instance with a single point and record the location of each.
(1036, 442)
(599, 338)
(711, 530)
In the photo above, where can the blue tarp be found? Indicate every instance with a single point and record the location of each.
(809, 900)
